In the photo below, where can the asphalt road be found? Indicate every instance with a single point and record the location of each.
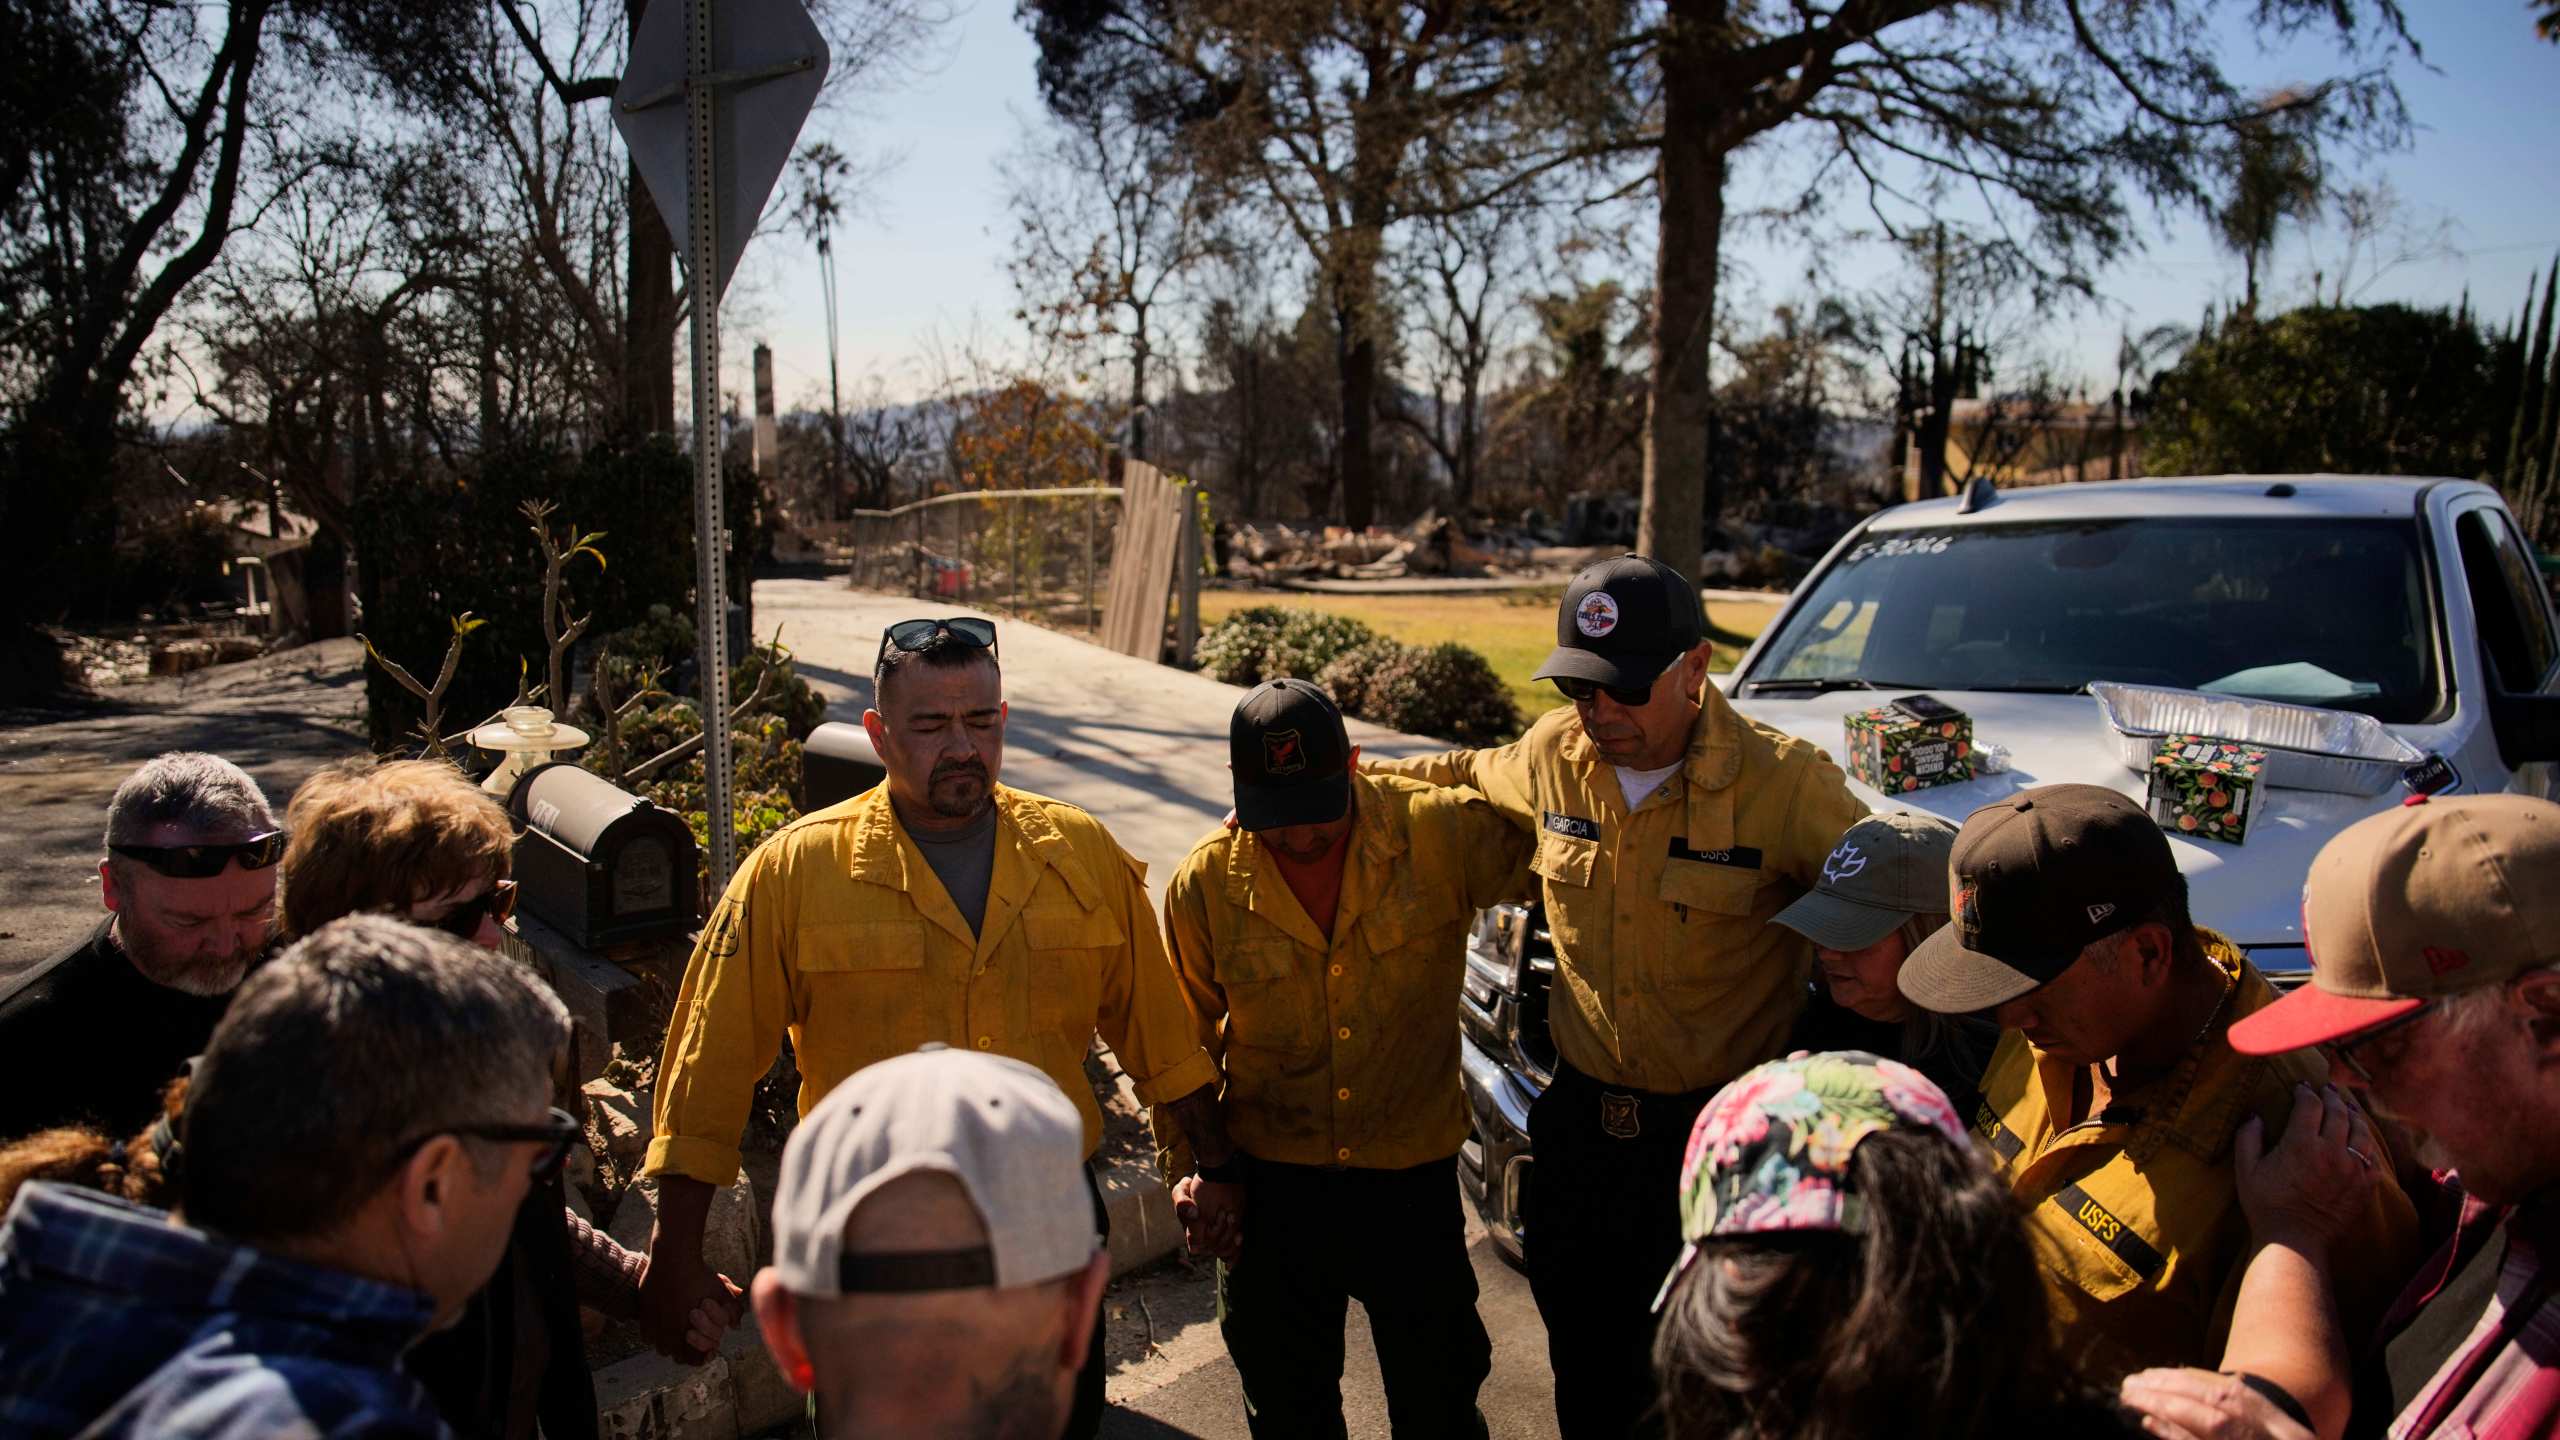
(279, 717)
(1183, 1384)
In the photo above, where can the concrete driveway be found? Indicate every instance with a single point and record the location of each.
(1141, 746)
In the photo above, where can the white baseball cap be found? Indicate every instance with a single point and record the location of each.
(1000, 1127)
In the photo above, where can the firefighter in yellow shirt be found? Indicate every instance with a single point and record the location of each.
(1669, 831)
(1319, 943)
(939, 906)
(2114, 1097)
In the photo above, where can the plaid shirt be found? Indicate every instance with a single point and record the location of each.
(116, 1321)
(2502, 1382)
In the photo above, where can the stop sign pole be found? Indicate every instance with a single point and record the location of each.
(710, 496)
(748, 71)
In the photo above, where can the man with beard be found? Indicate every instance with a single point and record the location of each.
(2435, 998)
(189, 881)
(941, 907)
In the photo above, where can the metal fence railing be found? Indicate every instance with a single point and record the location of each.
(1042, 554)
(1108, 560)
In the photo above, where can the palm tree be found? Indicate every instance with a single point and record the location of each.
(823, 170)
(2271, 176)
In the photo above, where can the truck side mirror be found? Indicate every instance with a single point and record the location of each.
(2527, 727)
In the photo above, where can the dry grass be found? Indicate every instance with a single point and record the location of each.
(1513, 630)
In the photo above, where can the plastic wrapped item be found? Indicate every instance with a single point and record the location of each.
(1991, 758)
(2308, 748)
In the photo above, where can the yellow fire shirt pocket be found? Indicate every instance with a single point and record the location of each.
(862, 945)
(1267, 1004)
(1395, 923)
(1565, 859)
(2097, 1250)
(1069, 927)
(1068, 944)
(1713, 887)
(871, 968)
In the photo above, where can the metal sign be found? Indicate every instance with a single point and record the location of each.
(747, 72)
(765, 64)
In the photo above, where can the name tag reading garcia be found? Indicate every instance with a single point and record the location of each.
(1572, 825)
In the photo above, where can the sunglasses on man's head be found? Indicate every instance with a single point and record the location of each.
(497, 902)
(203, 862)
(1583, 692)
(912, 635)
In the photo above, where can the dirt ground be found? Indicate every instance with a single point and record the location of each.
(280, 717)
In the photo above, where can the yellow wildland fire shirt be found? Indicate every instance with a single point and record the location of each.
(2133, 1214)
(836, 930)
(1344, 1051)
(1669, 975)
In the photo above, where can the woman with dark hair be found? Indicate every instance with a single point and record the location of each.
(1854, 1269)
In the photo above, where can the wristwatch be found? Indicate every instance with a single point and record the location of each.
(1230, 1171)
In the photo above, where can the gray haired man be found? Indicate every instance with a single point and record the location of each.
(189, 880)
(356, 1143)
(936, 1270)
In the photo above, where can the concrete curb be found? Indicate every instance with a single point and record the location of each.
(736, 1392)
(1134, 1194)
(1143, 1230)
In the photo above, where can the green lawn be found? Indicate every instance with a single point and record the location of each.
(1513, 631)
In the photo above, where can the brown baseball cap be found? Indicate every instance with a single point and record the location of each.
(2428, 899)
(2034, 880)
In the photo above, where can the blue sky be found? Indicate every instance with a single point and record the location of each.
(927, 261)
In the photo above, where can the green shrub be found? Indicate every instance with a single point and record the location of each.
(1447, 691)
(434, 546)
(1353, 675)
(1237, 650)
(1312, 639)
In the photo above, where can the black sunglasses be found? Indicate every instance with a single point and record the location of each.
(497, 902)
(203, 862)
(913, 635)
(558, 1131)
(1583, 692)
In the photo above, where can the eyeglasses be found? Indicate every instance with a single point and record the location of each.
(912, 635)
(497, 902)
(203, 862)
(2344, 1051)
(558, 1131)
(1583, 692)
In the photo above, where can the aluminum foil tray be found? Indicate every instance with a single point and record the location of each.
(2308, 748)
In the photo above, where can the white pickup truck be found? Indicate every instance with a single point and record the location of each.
(2414, 603)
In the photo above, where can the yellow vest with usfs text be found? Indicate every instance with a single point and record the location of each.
(2134, 1215)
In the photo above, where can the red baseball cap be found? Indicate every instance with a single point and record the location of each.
(2411, 905)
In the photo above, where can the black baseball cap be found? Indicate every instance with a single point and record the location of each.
(2035, 880)
(1623, 622)
(1291, 759)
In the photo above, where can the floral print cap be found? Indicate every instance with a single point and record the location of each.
(1771, 1150)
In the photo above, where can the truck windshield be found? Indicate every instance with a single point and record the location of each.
(2316, 612)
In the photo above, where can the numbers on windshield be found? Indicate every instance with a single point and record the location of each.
(1898, 545)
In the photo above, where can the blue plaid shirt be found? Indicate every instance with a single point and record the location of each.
(117, 1321)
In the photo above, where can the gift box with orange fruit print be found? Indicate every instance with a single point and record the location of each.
(2206, 788)
(1908, 744)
